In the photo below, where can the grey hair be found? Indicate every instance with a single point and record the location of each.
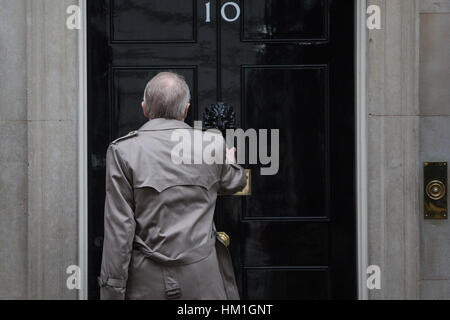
(166, 96)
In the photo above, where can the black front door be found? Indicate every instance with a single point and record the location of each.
(281, 64)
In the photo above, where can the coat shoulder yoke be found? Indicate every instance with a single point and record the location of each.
(128, 136)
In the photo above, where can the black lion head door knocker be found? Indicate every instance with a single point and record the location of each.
(219, 116)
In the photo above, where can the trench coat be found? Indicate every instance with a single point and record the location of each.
(160, 240)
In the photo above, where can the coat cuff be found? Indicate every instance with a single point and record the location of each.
(112, 289)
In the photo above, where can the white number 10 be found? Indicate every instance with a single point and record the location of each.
(224, 15)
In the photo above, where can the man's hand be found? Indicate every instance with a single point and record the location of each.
(231, 155)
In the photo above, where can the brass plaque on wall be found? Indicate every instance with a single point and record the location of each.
(435, 190)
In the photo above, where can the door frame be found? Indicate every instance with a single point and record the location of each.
(82, 154)
(362, 252)
(361, 150)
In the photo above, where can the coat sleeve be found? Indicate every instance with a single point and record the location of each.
(119, 228)
(232, 177)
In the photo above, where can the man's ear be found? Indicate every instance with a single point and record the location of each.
(145, 111)
(186, 111)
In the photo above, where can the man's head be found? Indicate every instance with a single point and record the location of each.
(166, 96)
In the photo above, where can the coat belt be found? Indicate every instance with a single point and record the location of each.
(173, 290)
(187, 257)
(172, 286)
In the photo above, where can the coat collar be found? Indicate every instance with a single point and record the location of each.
(164, 124)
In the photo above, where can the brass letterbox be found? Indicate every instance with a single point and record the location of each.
(247, 191)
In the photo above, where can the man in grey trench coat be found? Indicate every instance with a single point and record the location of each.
(160, 240)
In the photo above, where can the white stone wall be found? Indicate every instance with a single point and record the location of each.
(13, 150)
(393, 150)
(38, 154)
(435, 138)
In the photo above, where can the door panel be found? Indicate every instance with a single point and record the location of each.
(127, 92)
(284, 64)
(270, 93)
(302, 244)
(278, 20)
(286, 283)
(154, 21)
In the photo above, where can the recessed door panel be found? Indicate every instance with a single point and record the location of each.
(302, 244)
(154, 20)
(292, 99)
(284, 20)
(287, 283)
(128, 88)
